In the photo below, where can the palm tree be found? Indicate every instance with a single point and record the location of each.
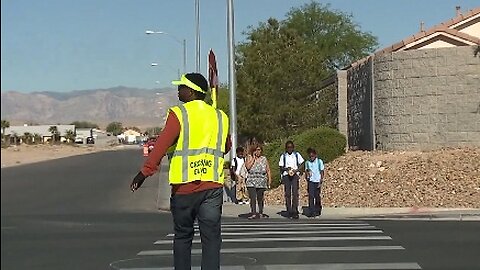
(5, 125)
(15, 138)
(27, 138)
(70, 135)
(54, 131)
(37, 138)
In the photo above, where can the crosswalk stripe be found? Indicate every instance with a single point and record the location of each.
(320, 266)
(292, 222)
(294, 233)
(288, 239)
(291, 225)
(295, 228)
(227, 267)
(281, 249)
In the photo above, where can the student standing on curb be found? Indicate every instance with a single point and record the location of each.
(314, 170)
(197, 134)
(235, 169)
(290, 162)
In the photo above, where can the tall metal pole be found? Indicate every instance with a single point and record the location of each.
(184, 56)
(232, 77)
(197, 38)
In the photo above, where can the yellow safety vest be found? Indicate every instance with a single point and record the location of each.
(198, 153)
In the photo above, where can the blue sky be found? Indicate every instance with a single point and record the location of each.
(64, 45)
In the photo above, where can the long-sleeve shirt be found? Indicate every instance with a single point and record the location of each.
(167, 138)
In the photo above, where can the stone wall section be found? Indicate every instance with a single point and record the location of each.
(426, 99)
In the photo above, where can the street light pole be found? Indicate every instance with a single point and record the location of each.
(232, 77)
(181, 42)
(197, 36)
(184, 56)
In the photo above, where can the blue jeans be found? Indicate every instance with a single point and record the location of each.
(206, 206)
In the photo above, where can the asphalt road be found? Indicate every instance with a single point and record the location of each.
(77, 213)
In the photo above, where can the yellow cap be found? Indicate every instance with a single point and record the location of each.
(185, 81)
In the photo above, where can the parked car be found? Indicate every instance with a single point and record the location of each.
(90, 140)
(79, 140)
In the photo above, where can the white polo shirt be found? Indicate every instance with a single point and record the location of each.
(290, 160)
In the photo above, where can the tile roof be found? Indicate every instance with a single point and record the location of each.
(444, 27)
(42, 130)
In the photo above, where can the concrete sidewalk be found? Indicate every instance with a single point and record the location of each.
(275, 211)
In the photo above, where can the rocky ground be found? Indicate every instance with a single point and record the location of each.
(440, 178)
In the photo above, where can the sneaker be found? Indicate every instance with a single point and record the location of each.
(295, 216)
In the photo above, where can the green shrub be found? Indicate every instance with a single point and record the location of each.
(328, 142)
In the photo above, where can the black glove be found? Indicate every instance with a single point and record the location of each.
(137, 181)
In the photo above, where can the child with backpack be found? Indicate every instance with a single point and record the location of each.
(314, 172)
(290, 162)
(238, 176)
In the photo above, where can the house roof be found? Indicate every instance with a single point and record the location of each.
(131, 132)
(42, 130)
(447, 31)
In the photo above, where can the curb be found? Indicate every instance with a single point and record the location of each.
(392, 213)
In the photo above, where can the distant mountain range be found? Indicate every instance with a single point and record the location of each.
(130, 106)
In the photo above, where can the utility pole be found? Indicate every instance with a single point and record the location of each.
(184, 56)
(232, 77)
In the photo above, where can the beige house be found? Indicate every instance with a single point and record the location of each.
(463, 30)
(419, 93)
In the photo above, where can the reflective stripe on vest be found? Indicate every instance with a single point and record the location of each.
(210, 158)
(216, 159)
(186, 139)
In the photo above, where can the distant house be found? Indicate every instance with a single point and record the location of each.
(130, 136)
(41, 130)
